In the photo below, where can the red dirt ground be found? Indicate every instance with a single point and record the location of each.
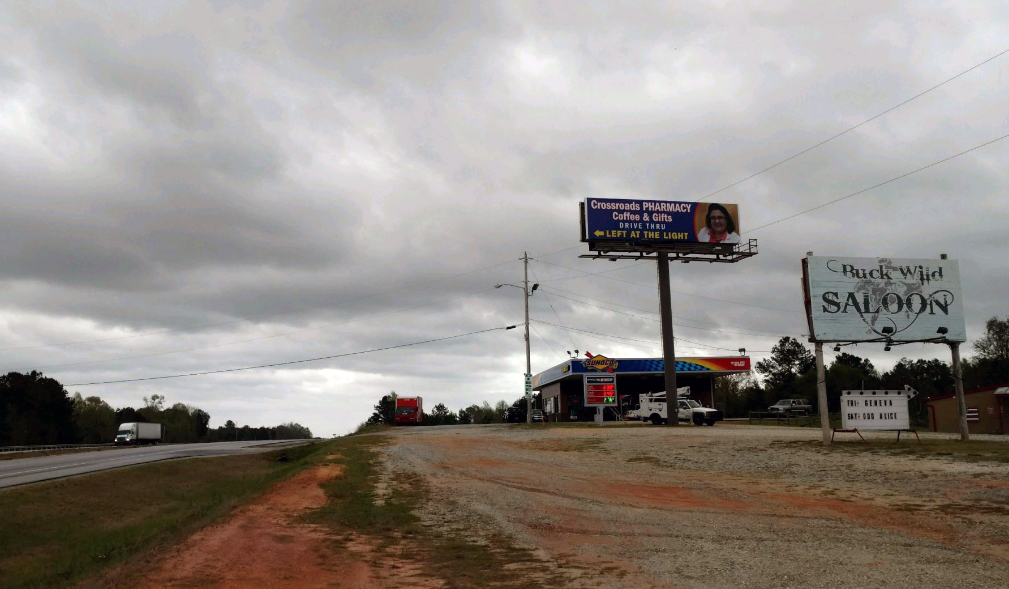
(261, 546)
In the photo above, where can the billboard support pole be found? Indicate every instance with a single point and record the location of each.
(821, 395)
(961, 403)
(668, 351)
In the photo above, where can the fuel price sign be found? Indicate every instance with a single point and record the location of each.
(600, 390)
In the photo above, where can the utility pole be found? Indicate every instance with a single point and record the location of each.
(961, 403)
(529, 367)
(668, 352)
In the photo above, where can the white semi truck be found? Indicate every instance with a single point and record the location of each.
(139, 433)
(653, 408)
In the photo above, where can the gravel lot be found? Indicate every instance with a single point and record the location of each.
(725, 506)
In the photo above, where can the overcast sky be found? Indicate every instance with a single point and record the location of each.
(206, 185)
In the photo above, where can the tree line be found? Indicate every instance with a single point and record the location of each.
(790, 372)
(385, 413)
(35, 409)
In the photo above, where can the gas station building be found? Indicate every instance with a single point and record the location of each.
(563, 388)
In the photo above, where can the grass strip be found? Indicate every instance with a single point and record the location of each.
(973, 451)
(385, 512)
(57, 533)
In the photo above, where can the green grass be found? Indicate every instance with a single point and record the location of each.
(57, 533)
(352, 497)
(371, 429)
(388, 519)
(803, 421)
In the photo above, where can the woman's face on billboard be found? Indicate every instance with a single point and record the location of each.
(718, 222)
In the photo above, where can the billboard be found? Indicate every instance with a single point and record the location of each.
(874, 299)
(875, 410)
(659, 222)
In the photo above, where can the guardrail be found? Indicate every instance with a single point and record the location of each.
(44, 447)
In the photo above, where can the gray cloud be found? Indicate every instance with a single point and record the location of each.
(217, 176)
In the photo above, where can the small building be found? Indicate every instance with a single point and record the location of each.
(563, 387)
(987, 411)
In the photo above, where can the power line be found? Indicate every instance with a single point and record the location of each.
(584, 274)
(558, 251)
(850, 129)
(676, 324)
(686, 294)
(552, 289)
(894, 179)
(265, 337)
(547, 297)
(555, 290)
(288, 363)
(612, 338)
(545, 341)
(654, 343)
(264, 316)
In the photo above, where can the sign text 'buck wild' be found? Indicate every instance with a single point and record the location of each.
(875, 299)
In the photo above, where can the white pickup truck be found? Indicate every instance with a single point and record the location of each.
(653, 409)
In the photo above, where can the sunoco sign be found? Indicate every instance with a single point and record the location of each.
(874, 299)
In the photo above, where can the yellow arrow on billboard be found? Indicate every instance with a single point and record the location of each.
(600, 233)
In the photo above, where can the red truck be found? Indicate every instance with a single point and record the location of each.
(409, 411)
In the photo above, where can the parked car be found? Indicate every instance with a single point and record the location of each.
(538, 416)
(791, 407)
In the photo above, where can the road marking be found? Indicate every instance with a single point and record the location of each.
(74, 464)
(190, 450)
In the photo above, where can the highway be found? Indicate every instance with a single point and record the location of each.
(22, 471)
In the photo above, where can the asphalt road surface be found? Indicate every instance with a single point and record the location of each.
(22, 471)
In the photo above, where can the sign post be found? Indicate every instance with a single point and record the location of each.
(961, 403)
(892, 301)
(821, 396)
(668, 342)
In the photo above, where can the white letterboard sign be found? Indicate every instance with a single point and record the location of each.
(875, 299)
(881, 410)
